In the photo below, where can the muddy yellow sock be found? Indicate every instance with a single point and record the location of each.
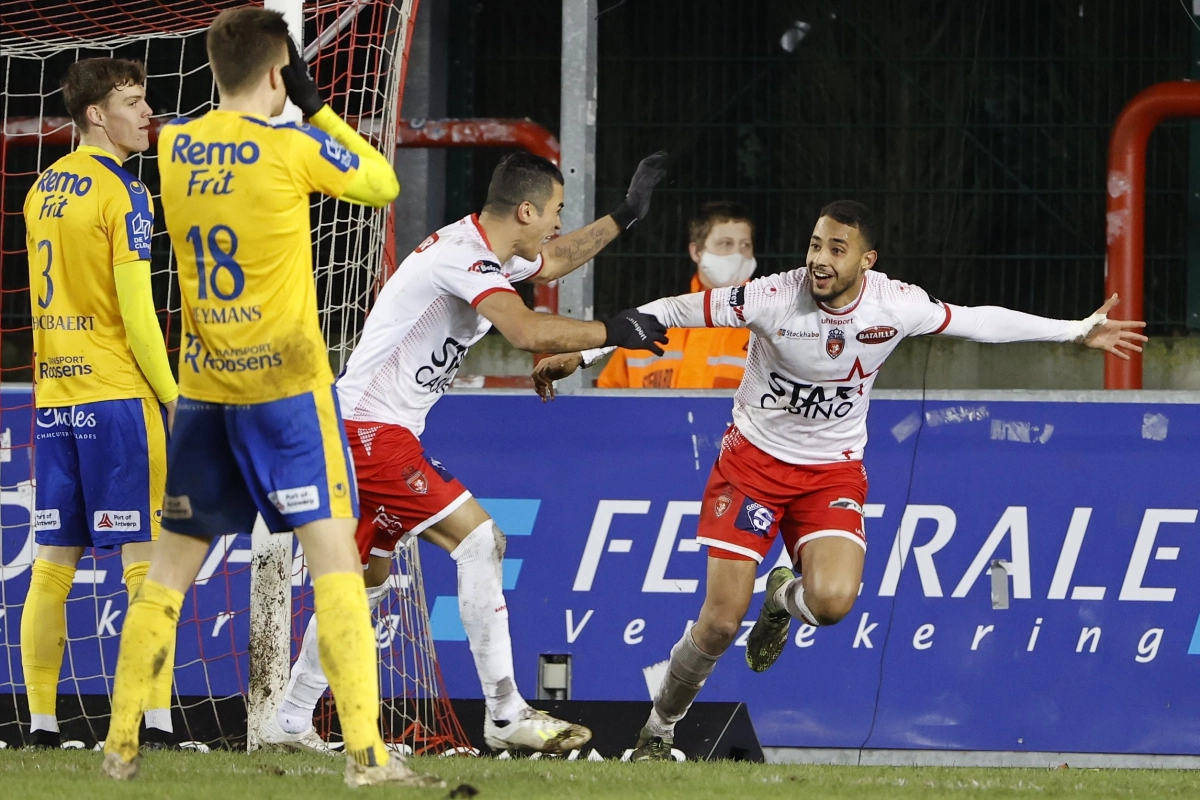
(43, 638)
(346, 643)
(146, 643)
(158, 705)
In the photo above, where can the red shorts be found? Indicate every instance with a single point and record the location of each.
(400, 491)
(752, 496)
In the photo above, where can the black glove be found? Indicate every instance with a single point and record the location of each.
(301, 89)
(634, 330)
(637, 201)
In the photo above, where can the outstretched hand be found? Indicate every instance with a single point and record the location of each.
(551, 369)
(1115, 335)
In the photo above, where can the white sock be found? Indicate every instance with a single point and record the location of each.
(43, 722)
(791, 597)
(308, 682)
(659, 726)
(159, 718)
(484, 614)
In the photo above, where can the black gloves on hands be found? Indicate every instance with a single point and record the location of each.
(634, 330)
(637, 201)
(301, 88)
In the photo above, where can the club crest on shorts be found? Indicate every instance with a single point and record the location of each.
(415, 480)
(835, 343)
(722, 505)
(755, 518)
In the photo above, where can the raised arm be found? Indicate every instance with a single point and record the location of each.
(569, 252)
(549, 333)
(996, 324)
(374, 183)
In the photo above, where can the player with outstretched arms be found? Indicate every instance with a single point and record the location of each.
(442, 299)
(102, 383)
(258, 428)
(792, 460)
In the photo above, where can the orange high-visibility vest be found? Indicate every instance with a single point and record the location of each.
(693, 358)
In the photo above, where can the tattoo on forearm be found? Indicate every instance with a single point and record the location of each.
(578, 248)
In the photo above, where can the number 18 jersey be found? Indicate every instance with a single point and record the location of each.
(235, 193)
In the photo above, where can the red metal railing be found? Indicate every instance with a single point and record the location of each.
(1126, 211)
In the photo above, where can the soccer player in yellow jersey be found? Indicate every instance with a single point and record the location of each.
(102, 383)
(258, 428)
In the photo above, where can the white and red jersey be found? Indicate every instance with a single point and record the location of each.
(809, 369)
(423, 321)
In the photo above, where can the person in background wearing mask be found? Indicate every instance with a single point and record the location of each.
(721, 244)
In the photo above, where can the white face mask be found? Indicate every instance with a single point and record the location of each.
(731, 270)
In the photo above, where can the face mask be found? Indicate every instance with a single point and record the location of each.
(731, 270)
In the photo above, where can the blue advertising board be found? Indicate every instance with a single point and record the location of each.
(1092, 507)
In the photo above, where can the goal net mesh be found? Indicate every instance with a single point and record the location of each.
(357, 51)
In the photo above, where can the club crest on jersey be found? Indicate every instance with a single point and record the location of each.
(722, 505)
(755, 518)
(415, 480)
(835, 342)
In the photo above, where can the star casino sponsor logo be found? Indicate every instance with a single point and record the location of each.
(59, 188)
(234, 359)
(485, 267)
(784, 333)
(437, 375)
(835, 342)
(809, 400)
(74, 417)
(63, 367)
(877, 334)
(755, 518)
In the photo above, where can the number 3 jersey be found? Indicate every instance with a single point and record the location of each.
(422, 324)
(235, 193)
(84, 216)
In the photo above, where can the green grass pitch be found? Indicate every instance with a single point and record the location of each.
(232, 776)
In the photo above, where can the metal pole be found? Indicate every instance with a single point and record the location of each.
(577, 133)
(1193, 270)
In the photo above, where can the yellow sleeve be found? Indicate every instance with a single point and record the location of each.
(141, 327)
(374, 182)
(614, 375)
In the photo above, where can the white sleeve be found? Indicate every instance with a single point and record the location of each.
(518, 269)
(471, 282)
(726, 307)
(594, 354)
(996, 324)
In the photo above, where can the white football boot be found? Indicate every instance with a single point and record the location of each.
(274, 737)
(535, 731)
(394, 772)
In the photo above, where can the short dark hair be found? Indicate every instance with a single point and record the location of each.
(851, 212)
(89, 82)
(242, 45)
(714, 213)
(519, 177)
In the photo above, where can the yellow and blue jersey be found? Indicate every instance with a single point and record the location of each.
(235, 192)
(84, 216)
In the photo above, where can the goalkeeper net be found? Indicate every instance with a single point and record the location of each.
(357, 51)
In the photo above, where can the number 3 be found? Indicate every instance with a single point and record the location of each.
(223, 259)
(49, 248)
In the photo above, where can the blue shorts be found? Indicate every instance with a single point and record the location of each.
(287, 460)
(100, 469)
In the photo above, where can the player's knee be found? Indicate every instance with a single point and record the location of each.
(501, 541)
(715, 634)
(830, 599)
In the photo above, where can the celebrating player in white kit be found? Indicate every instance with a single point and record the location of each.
(443, 298)
(792, 460)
